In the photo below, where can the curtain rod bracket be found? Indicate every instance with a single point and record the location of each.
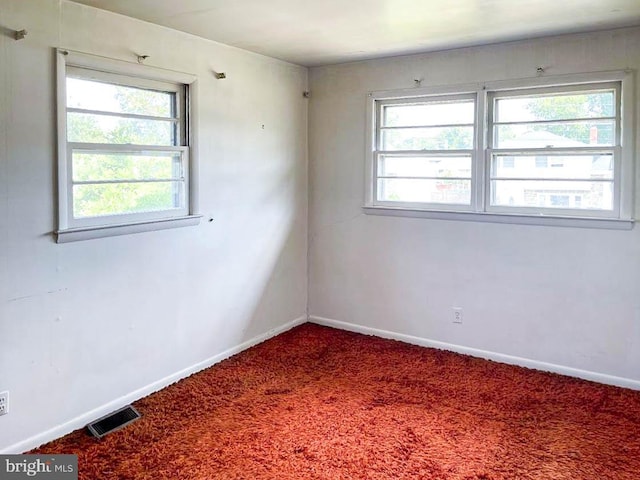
(20, 34)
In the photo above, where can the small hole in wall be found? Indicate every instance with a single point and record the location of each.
(210, 220)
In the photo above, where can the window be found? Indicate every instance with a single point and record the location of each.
(541, 162)
(424, 151)
(508, 162)
(124, 150)
(546, 148)
(563, 140)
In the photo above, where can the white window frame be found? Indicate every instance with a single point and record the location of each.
(614, 150)
(481, 210)
(379, 152)
(113, 71)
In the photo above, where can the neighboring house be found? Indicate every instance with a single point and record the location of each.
(536, 188)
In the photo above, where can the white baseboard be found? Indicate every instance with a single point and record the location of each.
(82, 420)
(474, 352)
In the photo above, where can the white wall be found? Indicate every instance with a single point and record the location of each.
(88, 323)
(564, 296)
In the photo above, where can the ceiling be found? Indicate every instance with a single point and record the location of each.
(334, 31)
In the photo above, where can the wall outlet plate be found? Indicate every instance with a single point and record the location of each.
(4, 403)
(457, 315)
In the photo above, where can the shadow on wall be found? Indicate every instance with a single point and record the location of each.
(256, 280)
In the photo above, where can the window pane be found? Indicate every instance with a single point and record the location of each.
(106, 97)
(552, 194)
(92, 166)
(424, 166)
(556, 107)
(429, 114)
(451, 138)
(123, 198)
(425, 191)
(599, 166)
(87, 128)
(574, 134)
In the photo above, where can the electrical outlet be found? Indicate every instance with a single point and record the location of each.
(4, 403)
(457, 315)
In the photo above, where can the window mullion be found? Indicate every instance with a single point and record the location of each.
(426, 153)
(478, 183)
(425, 127)
(419, 177)
(555, 122)
(128, 180)
(556, 150)
(131, 116)
(124, 147)
(552, 179)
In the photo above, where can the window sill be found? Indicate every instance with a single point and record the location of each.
(520, 219)
(100, 231)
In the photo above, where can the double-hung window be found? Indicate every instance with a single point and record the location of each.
(535, 151)
(124, 148)
(424, 151)
(562, 144)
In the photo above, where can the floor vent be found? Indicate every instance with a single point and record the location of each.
(114, 421)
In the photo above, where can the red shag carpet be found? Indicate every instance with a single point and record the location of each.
(319, 403)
